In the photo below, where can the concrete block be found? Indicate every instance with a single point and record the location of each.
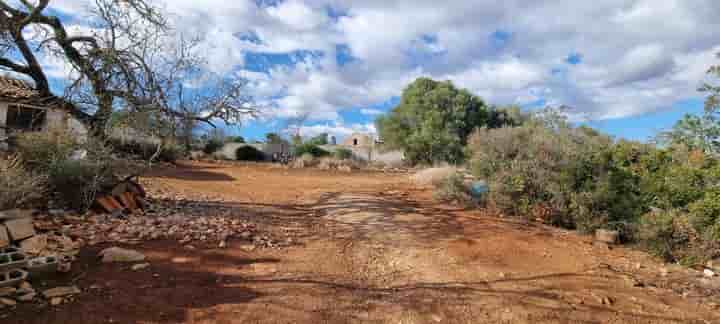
(12, 278)
(13, 260)
(4, 236)
(15, 213)
(9, 249)
(20, 228)
(43, 265)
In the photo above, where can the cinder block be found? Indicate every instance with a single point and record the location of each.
(12, 278)
(42, 265)
(20, 228)
(4, 237)
(12, 260)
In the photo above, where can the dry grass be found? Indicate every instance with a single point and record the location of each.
(17, 185)
(432, 176)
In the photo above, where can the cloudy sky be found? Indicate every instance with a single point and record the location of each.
(630, 67)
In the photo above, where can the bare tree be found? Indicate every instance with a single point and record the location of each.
(121, 61)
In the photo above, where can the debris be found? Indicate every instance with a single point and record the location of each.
(7, 291)
(140, 266)
(27, 297)
(4, 236)
(223, 244)
(20, 228)
(607, 236)
(34, 245)
(61, 291)
(709, 273)
(7, 301)
(116, 254)
(55, 301)
(248, 247)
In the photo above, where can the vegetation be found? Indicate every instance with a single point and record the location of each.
(18, 186)
(40, 149)
(213, 145)
(433, 121)
(249, 153)
(322, 139)
(452, 188)
(343, 154)
(311, 149)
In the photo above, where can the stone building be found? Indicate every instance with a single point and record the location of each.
(22, 109)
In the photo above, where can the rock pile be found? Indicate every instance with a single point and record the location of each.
(26, 254)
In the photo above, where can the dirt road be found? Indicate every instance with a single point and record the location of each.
(370, 248)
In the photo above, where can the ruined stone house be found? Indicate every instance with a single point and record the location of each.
(22, 109)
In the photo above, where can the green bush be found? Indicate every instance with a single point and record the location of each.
(213, 146)
(78, 182)
(146, 151)
(705, 213)
(249, 153)
(452, 188)
(18, 186)
(343, 154)
(311, 149)
(40, 149)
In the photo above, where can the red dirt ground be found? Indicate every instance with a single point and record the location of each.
(367, 248)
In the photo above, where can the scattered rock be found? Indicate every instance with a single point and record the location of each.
(248, 247)
(246, 235)
(223, 244)
(61, 291)
(140, 266)
(116, 254)
(27, 297)
(34, 245)
(7, 291)
(56, 301)
(664, 272)
(7, 301)
(607, 236)
(709, 273)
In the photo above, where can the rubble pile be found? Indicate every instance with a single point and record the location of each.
(26, 254)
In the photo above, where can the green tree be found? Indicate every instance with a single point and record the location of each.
(695, 132)
(433, 121)
(321, 139)
(273, 138)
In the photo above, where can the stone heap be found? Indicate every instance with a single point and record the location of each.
(26, 254)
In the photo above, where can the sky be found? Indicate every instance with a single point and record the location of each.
(628, 67)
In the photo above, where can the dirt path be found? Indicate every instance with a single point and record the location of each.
(369, 248)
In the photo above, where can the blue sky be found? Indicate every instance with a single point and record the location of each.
(628, 67)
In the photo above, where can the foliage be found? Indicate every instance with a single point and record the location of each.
(696, 132)
(343, 154)
(309, 148)
(213, 145)
(78, 181)
(249, 153)
(18, 186)
(321, 139)
(273, 138)
(566, 176)
(452, 188)
(433, 121)
(146, 150)
(39, 149)
(236, 139)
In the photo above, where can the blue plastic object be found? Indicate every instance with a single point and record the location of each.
(478, 189)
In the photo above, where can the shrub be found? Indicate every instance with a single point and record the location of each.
(452, 188)
(705, 213)
(668, 234)
(249, 153)
(311, 149)
(78, 182)
(213, 146)
(568, 175)
(18, 186)
(343, 154)
(40, 149)
(146, 150)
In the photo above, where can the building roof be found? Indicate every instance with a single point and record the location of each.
(19, 91)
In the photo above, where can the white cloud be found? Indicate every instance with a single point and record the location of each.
(638, 56)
